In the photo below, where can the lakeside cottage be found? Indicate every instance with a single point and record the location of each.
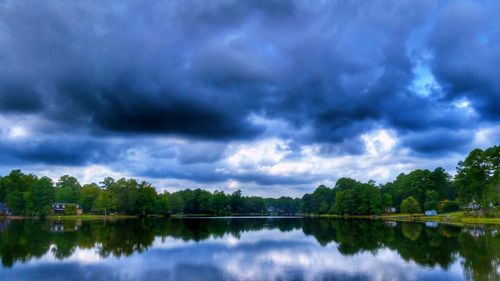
(273, 211)
(4, 210)
(60, 208)
(390, 210)
(431, 213)
(473, 206)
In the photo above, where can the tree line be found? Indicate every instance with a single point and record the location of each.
(436, 246)
(477, 179)
(29, 195)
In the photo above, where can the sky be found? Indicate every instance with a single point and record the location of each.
(270, 97)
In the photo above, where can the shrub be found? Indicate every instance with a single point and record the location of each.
(410, 205)
(447, 206)
(70, 210)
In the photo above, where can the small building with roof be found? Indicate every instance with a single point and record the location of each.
(59, 208)
(4, 209)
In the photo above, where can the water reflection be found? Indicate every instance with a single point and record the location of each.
(246, 249)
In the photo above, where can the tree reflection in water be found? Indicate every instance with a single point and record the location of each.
(477, 248)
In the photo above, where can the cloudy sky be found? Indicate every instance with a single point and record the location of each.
(270, 97)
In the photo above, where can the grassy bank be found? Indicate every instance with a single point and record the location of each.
(455, 217)
(216, 216)
(91, 217)
(76, 217)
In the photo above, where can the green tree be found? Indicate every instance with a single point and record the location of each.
(219, 203)
(414, 184)
(68, 190)
(345, 202)
(70, 210)
(13, 186)
(163, 205)
(236, 202)
(494, 188)
(39, 197)
(305, 204)
(88, 197)
(345, 184)
(322, 199)
(203, 199)
(447, 206)
(287, 204)
(431, 200)
(477, 176)
(324, 208)
(125, 194)
(410, 205)
(375, 201)
(387, 201)
(146, 199)
(444, 184)
(177, 203)
(104, 201)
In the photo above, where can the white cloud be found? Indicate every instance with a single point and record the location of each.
(379, 143)
(87, 174)
(262, 152)
(233, 184)
(17, 132)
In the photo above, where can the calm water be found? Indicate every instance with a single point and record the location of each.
(246, 249)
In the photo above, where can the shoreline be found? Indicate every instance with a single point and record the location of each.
(449, 218)
(75, 217)
(457, 218)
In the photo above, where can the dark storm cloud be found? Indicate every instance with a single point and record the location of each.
(58, 151)
(465, 42)
(437, 142)
(204, 173)
(19, 97)
(202, 71)
(200, 152)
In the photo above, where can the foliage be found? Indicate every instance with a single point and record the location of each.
(146, 199)
(387, 201)
(39, 197)
(88, 197)
(104, 201)
(410, 205)
(431, 199)
(70, 210)
(429, 247)
(163, 204)
(447, 206)
(285, 204)
(478, 178)
(68, 189)
(219, 203)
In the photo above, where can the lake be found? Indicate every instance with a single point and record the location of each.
(246, 249)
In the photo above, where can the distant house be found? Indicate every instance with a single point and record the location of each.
(273, 211)
(59, 208)
(430, 213)
(474, 206)
(4, 210)
(390, 210)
